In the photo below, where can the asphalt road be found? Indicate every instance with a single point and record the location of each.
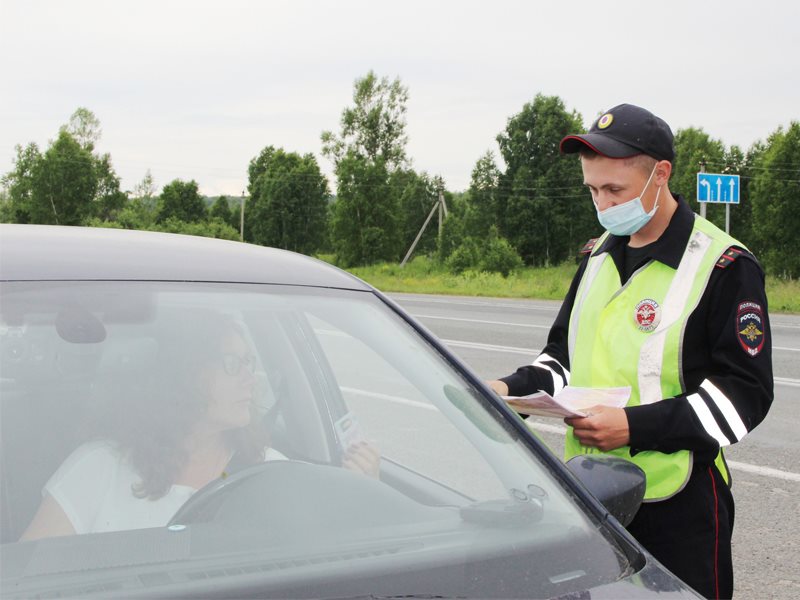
(495, 336)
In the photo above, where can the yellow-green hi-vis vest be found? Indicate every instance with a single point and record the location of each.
(632, 335)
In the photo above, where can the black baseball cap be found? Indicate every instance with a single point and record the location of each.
(625, 130)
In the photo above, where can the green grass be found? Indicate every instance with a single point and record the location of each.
(424, 276)
(421, 278)
(783, 295)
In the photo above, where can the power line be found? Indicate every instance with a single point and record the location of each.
(728, 165)
(504, 187)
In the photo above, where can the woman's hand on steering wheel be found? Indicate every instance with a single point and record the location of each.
(363, 457)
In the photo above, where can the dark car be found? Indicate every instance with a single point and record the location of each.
(187, 417)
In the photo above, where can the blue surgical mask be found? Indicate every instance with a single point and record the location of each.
(628, 218)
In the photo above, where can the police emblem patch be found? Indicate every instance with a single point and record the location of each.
(750, 327)
(647, 315)
(605, 121)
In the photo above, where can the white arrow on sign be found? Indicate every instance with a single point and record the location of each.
(719, 188)
(731, 185)
(708, 188)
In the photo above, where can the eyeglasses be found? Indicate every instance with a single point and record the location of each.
(233, 363)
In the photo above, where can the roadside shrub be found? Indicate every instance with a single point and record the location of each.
(498, 256)
(465, 256)
(493, 254)
(98, 222)
(213, 228)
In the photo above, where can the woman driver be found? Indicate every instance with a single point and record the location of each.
(170, 442)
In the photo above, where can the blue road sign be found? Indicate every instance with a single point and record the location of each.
(715, 187)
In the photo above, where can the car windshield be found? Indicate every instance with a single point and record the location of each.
(166, 438)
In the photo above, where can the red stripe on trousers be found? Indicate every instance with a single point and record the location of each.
(716, 534)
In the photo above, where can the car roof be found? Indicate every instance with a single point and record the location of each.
(59, 253)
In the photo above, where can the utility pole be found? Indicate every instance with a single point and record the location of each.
(442, 209)
(703, 204)
(241, 218)
(439, 205)
(728, 215)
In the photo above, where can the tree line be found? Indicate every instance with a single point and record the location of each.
(525, 205)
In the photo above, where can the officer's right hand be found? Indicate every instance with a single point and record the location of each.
(604, 427)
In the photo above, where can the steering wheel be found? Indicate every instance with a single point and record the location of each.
(207, 503)
(289, 501)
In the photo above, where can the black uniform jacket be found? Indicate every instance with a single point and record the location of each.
(727, 342)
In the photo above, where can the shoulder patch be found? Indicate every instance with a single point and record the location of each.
(750, 328)
(730, 255)
(588, 247)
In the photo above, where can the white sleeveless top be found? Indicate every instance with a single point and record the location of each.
(93, 487)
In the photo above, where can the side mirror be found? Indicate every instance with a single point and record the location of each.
(618, 484)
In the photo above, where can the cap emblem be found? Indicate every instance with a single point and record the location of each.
(605, 121)
(647, 315)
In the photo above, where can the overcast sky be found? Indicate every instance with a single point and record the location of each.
(195, 89)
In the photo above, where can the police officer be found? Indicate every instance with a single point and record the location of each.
(675, 308)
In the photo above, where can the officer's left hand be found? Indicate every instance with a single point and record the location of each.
(605, 428)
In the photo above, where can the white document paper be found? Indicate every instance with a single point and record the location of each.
(569, 402)
(348, 430)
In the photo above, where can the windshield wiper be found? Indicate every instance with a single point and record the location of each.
(504, 513)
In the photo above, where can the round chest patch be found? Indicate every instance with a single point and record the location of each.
(605, 121)
(750, 327)
(647, 315)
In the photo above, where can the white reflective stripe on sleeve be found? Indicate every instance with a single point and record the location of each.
(558, 381)
(726, 408)
(543, 357)
(707, 419)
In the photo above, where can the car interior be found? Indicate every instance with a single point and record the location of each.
(71, 362)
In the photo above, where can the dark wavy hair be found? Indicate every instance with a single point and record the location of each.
(172, 400)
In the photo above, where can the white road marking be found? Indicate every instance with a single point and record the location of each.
(481, 321)
(531, 352)
(557, 429)
(765, 471)
(523, 305)
(491, 347)
(735, 465)
(531, 326)
(388, 397)
(460, 302)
